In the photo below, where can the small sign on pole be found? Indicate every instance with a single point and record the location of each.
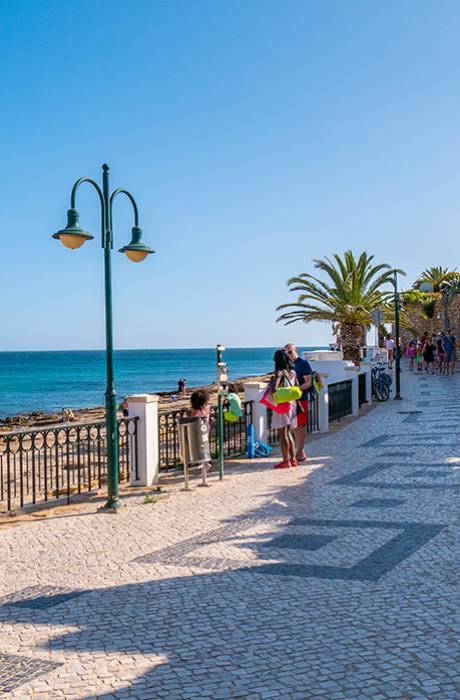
(377, 317)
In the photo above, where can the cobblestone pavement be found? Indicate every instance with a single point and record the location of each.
(335, 580)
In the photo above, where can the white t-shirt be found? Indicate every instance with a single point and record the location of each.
(390, 344)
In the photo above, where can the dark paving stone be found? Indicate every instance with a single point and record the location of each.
(377, 503)
(377, 441)
(307, 542)
(395, 453)
(359, 478)
(413, 486)
(355, 478)
(435, 474)
(39, 597)
(16, 670)
(379, 563)
(412, 417)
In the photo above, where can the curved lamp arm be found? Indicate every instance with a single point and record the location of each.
(77, 185)
(101, 199)
(115, 193)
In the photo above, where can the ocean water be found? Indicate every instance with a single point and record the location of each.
(49, 381)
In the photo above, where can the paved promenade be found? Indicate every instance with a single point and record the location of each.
(335, 580)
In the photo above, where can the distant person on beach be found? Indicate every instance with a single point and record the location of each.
(390, 348)
(304, 374)
(67, 415)
(125, 407)
(181, 387)
(284, 423)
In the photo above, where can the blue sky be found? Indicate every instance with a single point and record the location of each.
(255, 137)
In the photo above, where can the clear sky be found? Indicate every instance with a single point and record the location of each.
(255, 135)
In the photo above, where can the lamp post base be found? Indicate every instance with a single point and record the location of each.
(112, 505)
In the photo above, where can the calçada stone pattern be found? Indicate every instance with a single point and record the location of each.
(334, 580)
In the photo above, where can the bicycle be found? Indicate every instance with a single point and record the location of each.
(381, 382)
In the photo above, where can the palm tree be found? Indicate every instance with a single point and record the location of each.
(420, 303)
(437, 276)
(347, 298)
(445, 285)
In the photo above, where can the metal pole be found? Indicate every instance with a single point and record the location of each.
(398, 345)
(113, 500)
(220, 416)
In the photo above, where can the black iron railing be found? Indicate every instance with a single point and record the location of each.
(49, 463)
(339, 400)
(312, 424)
(361, 388)
(235, 435)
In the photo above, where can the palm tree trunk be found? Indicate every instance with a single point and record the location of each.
(351, 336)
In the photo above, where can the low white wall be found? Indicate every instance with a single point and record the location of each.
(323, 355)
(334, 368)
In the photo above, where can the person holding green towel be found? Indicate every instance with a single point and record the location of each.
(285, 375)
(234, 410)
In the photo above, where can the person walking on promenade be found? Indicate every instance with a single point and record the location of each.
(410, 352)
(454, 352)
(449, 350)
(304, 374)
(285, 375)
(440, 351)
(428, 354)
(390, 347)
(419, 356)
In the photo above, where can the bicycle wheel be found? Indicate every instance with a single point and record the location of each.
(386, 378)
(381, 391)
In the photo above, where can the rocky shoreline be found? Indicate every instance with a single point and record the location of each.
(39, 419)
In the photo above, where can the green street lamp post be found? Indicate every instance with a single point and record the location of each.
(397, 304)
(222, 379)
(73, 236)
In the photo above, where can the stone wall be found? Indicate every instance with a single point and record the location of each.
(436, 324)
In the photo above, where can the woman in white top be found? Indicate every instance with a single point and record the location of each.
(390, 345)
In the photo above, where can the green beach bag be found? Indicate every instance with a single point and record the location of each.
(287, 393)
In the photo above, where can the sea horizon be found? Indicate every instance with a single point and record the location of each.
(49, 380)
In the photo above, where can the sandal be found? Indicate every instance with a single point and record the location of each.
(282, 465)
(294, 463)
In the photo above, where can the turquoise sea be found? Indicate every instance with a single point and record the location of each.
(49, 381)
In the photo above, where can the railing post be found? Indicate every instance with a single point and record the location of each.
(323, 406)
(352, 373)
(253, 391)
(145, 408)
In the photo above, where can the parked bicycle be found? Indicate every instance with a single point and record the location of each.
(381, 382)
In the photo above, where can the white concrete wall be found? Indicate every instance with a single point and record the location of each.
(253, 391)
(145, 408)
